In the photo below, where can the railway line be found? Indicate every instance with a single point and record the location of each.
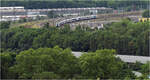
(99, 16)
(100, 19)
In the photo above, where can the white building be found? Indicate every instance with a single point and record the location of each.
(12, 8)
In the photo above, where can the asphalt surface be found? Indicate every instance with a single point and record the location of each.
(125, 58)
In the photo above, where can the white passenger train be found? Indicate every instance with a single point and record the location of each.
(75, 20)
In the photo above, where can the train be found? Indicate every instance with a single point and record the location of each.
(75, 20)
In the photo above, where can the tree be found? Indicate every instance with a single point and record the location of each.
(45, 75)
(146, 14)
(46, 25)
(125, 37)
(44, 62)
(52, 14)
(146, 68)
(102, 64)
(7, 60)
(4, 25)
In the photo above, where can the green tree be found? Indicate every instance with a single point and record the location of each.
(46, 25)
(7, 60)
(146, 68)
(31, 63)
(102, 64)
(45, 75)
(52, 14)
(146, 14)
(125, 37)
(4, 25)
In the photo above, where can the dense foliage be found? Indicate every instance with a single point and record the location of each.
(146, 14)
(145, 70)
(126, 37)
(29, 53)
(101, 64)
(34, 4)
(4, 25)
(56, 63)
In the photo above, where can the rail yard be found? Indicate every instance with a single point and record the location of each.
(96, 17)
(75, 39)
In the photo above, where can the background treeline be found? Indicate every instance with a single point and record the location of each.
(56, 63)
(34, 4)
(126, 37)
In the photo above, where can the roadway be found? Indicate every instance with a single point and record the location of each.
(125, 58)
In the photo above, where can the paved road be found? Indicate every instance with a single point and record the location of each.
(125, 58)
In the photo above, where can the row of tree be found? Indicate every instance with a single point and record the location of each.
(34, 4)
(146, 14)
(126, 37)
(56, 63)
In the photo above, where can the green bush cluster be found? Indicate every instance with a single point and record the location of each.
(125, 37)
(40, 4)
(56, 63)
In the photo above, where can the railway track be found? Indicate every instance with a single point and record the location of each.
(124, 14)
(104, 16)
